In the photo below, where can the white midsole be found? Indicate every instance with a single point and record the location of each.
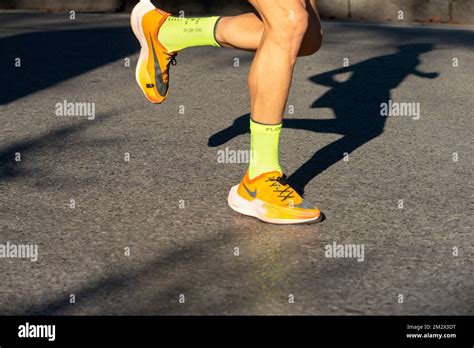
(255, 208)
(139, 11)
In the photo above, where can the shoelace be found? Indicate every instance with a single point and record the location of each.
(278, 183)
(171, 59)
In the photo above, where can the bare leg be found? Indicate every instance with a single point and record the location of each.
(285, 24)
(243, 32)
(246, 31)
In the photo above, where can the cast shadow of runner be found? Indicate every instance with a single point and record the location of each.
(47, 58)
(356, 104)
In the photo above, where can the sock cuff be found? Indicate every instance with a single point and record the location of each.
(265, 128)
(179, 33)
(215, 31)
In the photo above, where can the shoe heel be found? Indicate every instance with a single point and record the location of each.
(239, 204)
(136, 17)
(140, 9)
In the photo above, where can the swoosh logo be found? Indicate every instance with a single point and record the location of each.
(252, 194)
(162, 88)
(304, 205)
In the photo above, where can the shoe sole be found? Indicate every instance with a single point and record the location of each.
(136, 18)
(252, 208)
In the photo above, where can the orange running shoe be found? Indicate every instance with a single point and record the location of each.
(152, 72)
(269, 198)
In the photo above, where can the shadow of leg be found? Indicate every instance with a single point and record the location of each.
(325, 158)
(240, 126)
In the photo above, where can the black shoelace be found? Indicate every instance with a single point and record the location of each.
(171, 59)
(280, 185)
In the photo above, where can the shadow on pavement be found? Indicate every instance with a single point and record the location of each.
(356, 104)
(163, 295)
(10, 169)
(50, 57)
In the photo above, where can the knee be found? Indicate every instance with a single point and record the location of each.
(297, 24)
(290, 31)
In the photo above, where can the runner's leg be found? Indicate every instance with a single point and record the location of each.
(246, 31)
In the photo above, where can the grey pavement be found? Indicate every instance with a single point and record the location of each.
(401, 186)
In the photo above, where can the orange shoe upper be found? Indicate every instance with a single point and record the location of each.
(154, 76)
(278, 198)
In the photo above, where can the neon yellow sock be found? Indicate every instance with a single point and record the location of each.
(178, 33)
(264, 141)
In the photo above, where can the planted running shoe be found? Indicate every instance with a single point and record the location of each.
(270, 198)
(152, 72)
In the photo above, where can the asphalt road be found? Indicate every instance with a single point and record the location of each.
(400, 186)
